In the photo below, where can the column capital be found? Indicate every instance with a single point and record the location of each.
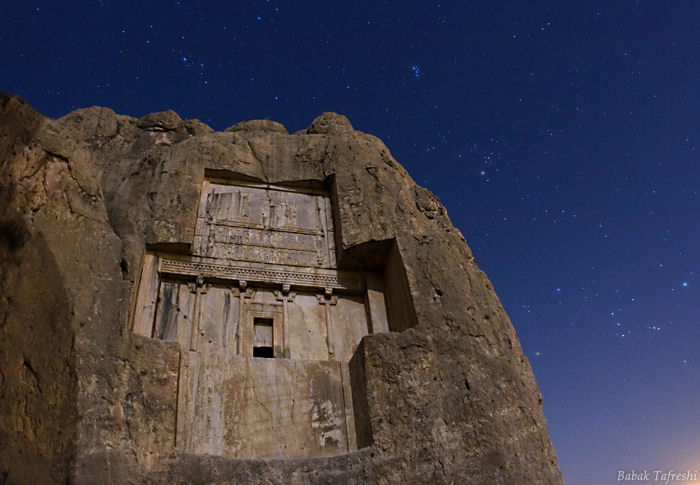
(326, 299)
(285, 297)
(198, 286)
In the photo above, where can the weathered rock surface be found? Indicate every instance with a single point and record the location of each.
(262, 125)
(451, 398)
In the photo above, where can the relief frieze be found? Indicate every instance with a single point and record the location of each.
(257, 222)
(348, 281)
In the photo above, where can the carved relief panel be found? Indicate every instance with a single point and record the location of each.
(255, 222)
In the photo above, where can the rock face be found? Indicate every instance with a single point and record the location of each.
(179, 305)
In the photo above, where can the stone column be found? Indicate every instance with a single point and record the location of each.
(198, 288)
(242, 330)
(327, 299)
(235, 295)
(286, 297)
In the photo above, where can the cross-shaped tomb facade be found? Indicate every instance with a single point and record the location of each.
(265, 321)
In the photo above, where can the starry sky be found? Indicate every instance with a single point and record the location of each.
(562, 137)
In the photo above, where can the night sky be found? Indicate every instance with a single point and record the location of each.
(562, 137)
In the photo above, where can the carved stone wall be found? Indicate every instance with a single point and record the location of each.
(256, 222)
(254, 407)
(265, 323)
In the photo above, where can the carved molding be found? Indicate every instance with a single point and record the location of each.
(351, 281)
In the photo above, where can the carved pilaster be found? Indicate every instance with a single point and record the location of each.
(235, 295)
(286, 297)
(198, 288)
(243, 336)
(328, 299)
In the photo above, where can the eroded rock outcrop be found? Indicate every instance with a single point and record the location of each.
(445, 396)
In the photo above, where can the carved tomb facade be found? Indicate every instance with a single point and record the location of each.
(265, 321)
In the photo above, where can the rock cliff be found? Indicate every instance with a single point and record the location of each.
(446, 397)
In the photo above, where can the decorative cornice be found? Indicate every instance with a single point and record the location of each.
(351, 281)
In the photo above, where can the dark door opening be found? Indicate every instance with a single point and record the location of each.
(263, 352)
(263, 346)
